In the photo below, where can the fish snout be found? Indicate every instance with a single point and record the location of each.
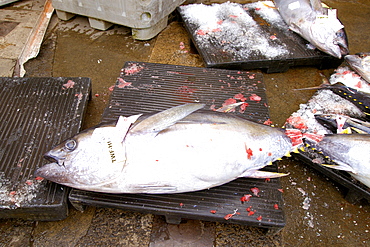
(55, 157)
(342, 42)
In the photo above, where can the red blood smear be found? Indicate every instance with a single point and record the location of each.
(243, 107)
(181, 204)
(297, 122)
(39, 178)
(255, 97)
(245, 198)
(276, 206)
(186, 89)
(313, 137)
(281, 190)
(123, 83)
(250, 153)
(267, 122)
(249, 208)
(229, 102)
(201, 32)
(295, 136)
(213, 211)
(267, 179)
(240, 97)
(233, 16)
(255, 191)
(259, 218)
(69, 84)
(220, 22)
(216, 30)
(251, 213)
(228, 216)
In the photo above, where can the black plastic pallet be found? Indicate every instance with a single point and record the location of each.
(36, 114)
(148, 87)
(215, 56)
(354, 191)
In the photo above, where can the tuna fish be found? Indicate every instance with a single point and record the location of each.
(178, 150)
(341, 124)
(360, 99)
(360, 62)
(350, 153)
(316, 24)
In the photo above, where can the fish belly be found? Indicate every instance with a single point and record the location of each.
(188, 157)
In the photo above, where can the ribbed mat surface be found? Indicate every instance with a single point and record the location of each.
(219, 50)
(36, 114)
(148, 87)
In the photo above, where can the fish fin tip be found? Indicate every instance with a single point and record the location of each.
(262, 174)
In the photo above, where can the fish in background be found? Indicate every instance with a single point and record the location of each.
(342, 124)
(349, 152)
(360, 63)
(315, 23)
(178, 150)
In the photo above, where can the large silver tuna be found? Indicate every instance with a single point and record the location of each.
(351, 153)
(177, 150)
(360, 63)
(316, 24)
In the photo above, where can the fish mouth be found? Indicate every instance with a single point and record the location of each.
(342, 42)
(53, 159)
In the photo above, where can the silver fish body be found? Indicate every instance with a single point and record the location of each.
(310, 20)
(177, 150)
(360, 63)
(351, 153)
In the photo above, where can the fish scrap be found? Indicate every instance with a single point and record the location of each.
(315, 23)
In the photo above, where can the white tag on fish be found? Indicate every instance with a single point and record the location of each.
(124, 123)
(108, 143)
(332, 13)
(294, 5)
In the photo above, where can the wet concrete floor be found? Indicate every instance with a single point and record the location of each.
(72, 48)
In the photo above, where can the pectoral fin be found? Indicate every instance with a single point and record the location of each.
(153, 189)
(262, 174)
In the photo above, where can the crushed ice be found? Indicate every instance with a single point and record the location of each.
(230, 26)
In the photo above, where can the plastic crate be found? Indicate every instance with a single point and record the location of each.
(146, 17)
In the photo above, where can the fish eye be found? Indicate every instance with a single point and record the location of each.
(70, 145)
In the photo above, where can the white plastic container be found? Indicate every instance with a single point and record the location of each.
(146, 17)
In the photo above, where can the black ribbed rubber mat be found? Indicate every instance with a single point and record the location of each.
(353, 192)
(225, 48)
(147, 87)
(36, 114)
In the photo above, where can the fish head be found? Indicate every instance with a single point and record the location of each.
(360, 62)
(83, 161)
(328, 39)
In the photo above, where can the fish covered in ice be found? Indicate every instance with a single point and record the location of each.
(360, 62)
(180, 149)
(350, 153)
(360, 99)
(315, 23)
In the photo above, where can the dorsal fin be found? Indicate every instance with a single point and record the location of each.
(165, 119)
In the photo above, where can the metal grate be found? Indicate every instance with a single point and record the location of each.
(36, 114)
(148, 87)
